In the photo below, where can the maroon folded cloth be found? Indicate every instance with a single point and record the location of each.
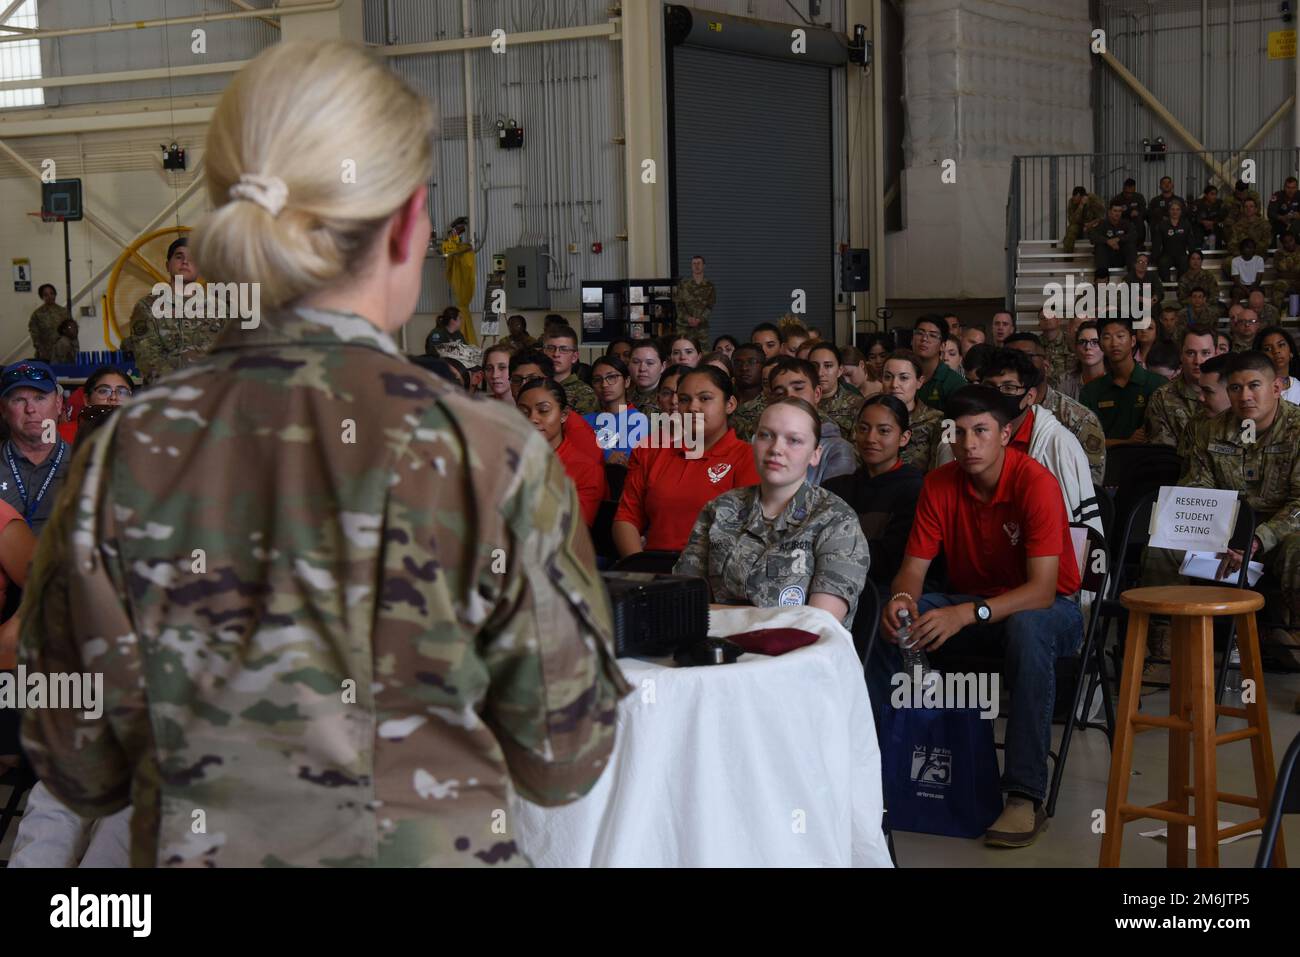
(773, 641)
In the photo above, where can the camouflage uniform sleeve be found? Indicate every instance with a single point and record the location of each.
(144, 340)
(548, 643)
(842, 557)
(1197, 472)
(75, 621)
(1158, 427)
(694, 559)
(710, 300)
(1286, 520)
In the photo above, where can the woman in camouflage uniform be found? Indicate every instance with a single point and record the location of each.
(902, 378)
(783, 541)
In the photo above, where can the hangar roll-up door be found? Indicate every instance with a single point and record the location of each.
(752, 184)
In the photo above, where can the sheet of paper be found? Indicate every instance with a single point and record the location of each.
(1163, 834)
(1204, 564)
(1193, 519)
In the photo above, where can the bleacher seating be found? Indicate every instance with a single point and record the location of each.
(1041, 261)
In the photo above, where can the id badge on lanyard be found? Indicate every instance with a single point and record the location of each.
(30, 508)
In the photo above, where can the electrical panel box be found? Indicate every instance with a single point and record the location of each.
(526, 278)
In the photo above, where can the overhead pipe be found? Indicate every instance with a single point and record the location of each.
(324, 6)
(1232, 86)
(1205, 73)
(608, 29)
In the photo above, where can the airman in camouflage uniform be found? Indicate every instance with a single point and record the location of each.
(1256, 228)
(1085, 211)
(815, 545)
(1267, 473)
(582, 398)
(66, 347)
(44, 329)
(1197, 278)
(695, 297)
(842, 408)
(745, 419)
(351, 670)
(165, 345)
(1235, 205)
(925, 423)
(1171, 409)
(1286, 263)
(1085, 425)
(1206, 315)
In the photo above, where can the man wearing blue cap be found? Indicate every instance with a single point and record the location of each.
(34, 459)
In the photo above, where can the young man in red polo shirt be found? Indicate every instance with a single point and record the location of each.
(999, 519)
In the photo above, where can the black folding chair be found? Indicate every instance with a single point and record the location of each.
(866, 621)
(602, 530)
(1093, 576)
(1286, 800)
(1242, 533)
(1135, 470)
(19, 779)
(654, 563)
(615, 475)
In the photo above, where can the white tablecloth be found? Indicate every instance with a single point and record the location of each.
(767, 762)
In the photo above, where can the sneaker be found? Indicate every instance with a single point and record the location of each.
(1018, 825)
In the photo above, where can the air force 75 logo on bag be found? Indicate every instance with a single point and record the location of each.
(791, 596)
(718, 472)
(932, 766)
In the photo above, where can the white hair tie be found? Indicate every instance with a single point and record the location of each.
(269, 192)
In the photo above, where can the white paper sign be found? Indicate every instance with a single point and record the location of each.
(1193, 519)
(1205, 564)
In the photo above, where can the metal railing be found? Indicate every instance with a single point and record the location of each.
(1041, 185)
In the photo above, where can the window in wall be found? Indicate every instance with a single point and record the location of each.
(21, 59)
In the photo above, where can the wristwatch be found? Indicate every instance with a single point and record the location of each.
(983, 613)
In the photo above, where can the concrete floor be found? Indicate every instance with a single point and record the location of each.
(1069, 840)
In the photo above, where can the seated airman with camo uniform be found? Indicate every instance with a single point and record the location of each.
(781, 542)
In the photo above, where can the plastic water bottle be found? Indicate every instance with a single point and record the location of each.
(913, 657)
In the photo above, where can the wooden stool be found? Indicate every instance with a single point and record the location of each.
(1191, 721)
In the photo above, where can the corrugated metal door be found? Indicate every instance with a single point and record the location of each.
(752, 181)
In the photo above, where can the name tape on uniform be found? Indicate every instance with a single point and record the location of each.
(1193, 519)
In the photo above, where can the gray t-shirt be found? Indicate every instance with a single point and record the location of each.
(30, 479)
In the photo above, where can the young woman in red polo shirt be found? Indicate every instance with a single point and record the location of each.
(545, 404)
(538, 365)
(666, 487)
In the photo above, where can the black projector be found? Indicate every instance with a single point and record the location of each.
(655, 615)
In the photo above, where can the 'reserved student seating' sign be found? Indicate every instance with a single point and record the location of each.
(1193, 519)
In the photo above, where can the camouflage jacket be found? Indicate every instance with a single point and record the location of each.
(842, 408)
(582, 398)
(745, 419)
(1085, 425)
(1287, 265)
(1235, 208)
(925, 423)
(815, 545)
(1059, 356)
(1206, 317)
(1198, 279)
(1091, 210)
(165, 345)
(1170, 411)
(647, 401)
(695, 299)
(1266, 471)
(44, 329)
(65, 351)
(343, 647)
(1257, 229)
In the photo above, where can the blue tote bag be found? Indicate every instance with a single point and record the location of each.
(940, 771)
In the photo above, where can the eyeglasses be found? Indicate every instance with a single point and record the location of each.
(1089, 343)
(1010, 388)
(108, 391)
(559, 350)
(929, 336)
(605, 379)
(24, 373)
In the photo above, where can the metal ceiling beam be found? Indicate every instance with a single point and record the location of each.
(92, 123)
(324, 6)
(1158, 108)
(124, 76)
(609, 29)
(245, 5)
(8, 12)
